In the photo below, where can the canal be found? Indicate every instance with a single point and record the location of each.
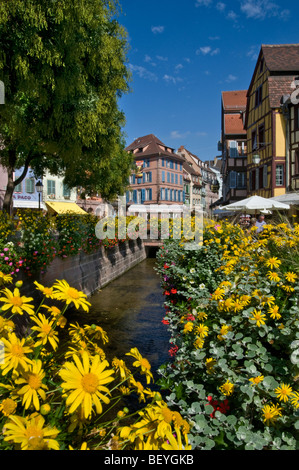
(130, 309)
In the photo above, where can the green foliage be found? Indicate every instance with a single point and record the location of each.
(64, 68)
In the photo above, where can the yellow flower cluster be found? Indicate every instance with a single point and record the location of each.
(55, 390)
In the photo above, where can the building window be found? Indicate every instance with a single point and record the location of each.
(279, 175)
(29, 185)
(262, 135)
(148, 177)
(265, 176)
(233, 149)
(51, 188)
(66, 192)
(148, 194)
(18, 188)
(254, 140)
(258, 96)
(241, 180)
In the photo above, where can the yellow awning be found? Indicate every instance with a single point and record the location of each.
(65, 208)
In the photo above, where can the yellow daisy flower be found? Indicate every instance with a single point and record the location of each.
(46, 291)
(30, 433)
(8, 406)
(5, 278)
(14, 354)
(85, 380)
(273, 276)
(283, 392)
(291, 277)
(295, 399)
(33, 387)
(258, 317)
(45, 331)
(256, 380)
(17, 303)
(227, 388)
(274, 312)
(273, 262)
(271, 413)
(141, 362)
(176, 442)
(70, 295)
(202, 330)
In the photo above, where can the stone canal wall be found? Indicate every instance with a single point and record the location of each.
(89, 272)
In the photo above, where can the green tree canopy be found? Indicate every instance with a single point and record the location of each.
(63, 63)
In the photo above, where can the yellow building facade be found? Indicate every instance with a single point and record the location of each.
(267, 142)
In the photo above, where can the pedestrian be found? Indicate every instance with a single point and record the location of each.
(260, 223)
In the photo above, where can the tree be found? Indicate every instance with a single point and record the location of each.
(63, 63)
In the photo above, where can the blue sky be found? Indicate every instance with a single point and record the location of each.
(184, 53)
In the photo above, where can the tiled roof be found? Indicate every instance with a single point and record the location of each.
(233, 124)
(281, 57)
(151, 146)
(234, 100)
(279, 86)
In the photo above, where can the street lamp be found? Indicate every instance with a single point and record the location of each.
(39, 189)
(256, 159)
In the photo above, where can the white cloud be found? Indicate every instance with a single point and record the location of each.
(157, 29)
(163, 59)
(142, 72)
(179, 67)
(171, 79)
(205, 3)
(261, 9)
(232, 15)
(220, 6)
(253, 52)
(179, 135)
(207, 50)
(231, 78)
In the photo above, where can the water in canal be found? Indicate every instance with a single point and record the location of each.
(130, 309)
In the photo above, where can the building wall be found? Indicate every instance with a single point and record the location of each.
(54, 190)
(89, 272)
(161, 182)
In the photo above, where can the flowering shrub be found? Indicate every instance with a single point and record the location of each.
(65, 395)
(232, 310)
(37, 245)
(38, 238)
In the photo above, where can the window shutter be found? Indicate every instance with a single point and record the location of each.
(142, 196)
(150, 194)
(150, 176)
(265, 176)
(232, 179)
(134, 196)
(163, 176)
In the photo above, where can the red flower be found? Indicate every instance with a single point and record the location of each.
(166, 266)
(165, 322)
(173, 291)
(173, 351)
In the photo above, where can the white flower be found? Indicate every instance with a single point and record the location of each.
(202, 286)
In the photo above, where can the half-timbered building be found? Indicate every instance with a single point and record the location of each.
(267, 141)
